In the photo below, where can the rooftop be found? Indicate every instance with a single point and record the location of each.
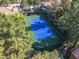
(75, 53)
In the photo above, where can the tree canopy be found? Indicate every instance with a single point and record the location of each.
(14, 41)
(71, 18)
(8, 1)
(36, 2)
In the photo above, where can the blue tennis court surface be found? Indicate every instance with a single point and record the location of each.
(41, 28)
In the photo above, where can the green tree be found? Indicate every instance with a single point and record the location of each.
(24, 2)
(8, 1)
(14, 39)
(67, 14)
(36, 2)
(71, 18)
(30, 1)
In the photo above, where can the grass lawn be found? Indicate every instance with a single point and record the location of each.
(29, 28)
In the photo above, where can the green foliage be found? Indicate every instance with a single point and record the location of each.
(8, 1)
(71, 18)
(30, 1)
(47, 55)
(68, 13)
(24, 3)
(36, 2)
(14, 40)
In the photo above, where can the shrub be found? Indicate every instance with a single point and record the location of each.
(14, 40)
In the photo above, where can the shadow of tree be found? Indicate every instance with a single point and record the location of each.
(28, 28)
